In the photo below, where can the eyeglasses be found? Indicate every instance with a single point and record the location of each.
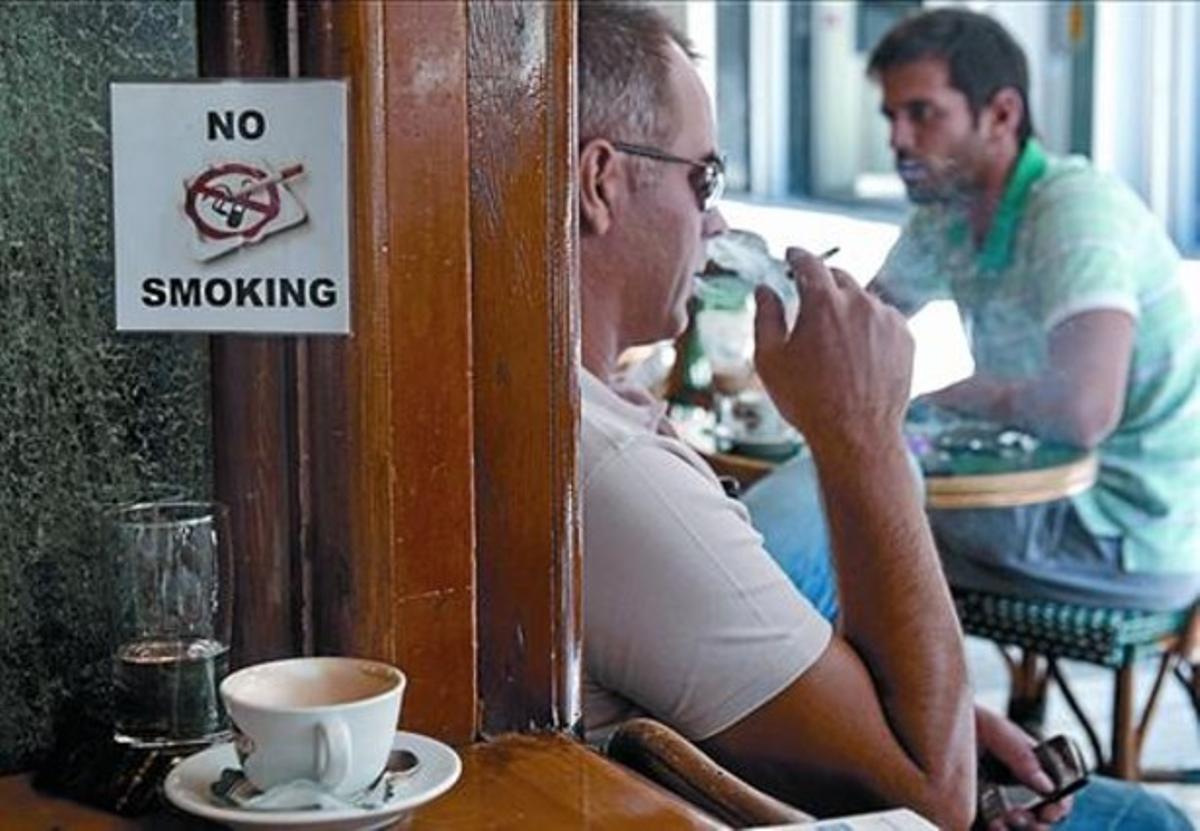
(707, 177)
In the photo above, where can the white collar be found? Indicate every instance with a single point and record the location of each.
(628, 400)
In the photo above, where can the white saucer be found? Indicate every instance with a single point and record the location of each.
(188, 788)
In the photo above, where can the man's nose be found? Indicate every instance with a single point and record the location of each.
(900, 134)
(714, 224)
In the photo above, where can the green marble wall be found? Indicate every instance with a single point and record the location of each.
(86, 415)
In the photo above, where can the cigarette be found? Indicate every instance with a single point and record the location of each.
(829, 253)
(287, 173)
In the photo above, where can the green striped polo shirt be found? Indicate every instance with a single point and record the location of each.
(1067, 239)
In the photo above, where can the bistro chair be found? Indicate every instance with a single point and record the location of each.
(671, 761)
(1116, 639)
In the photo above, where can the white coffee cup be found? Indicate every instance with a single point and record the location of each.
(327, 720)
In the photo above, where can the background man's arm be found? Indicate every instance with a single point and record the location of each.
(877, 288)
(1080, 396)
(884, 717)
(912, 274)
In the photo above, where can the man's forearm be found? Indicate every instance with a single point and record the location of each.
(896, 677)
(1047, 407)
(1079, 395)
(896, 607)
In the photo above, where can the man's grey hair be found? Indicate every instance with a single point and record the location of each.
(624, 69)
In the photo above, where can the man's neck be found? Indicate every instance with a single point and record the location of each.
(600, 311)
(597, 361)
(982, 208)
(598, 347)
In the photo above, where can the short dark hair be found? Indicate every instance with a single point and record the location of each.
(624, 66)
(981, 55)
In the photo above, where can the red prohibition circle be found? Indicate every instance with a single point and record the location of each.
(202, 187)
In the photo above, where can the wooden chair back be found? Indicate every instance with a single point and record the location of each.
(670, 760)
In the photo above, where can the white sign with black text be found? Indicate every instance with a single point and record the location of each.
(230, 206)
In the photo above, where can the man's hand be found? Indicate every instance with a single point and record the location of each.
(1013, 748)
(844, 371)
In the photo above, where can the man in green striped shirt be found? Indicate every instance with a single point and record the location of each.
(1070, 294)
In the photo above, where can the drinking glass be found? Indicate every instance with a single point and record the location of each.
(725, 327)
(172, 621)
(725, 330)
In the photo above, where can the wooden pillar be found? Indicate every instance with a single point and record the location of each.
(389, 408)
(524, 262)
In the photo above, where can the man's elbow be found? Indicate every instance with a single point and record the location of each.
(952, 817)
(950, 803)
(949, 783)
(1090, 425)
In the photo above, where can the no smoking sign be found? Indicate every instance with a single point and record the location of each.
(233, 217)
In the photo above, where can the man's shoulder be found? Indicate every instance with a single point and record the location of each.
(619, 433)
(1075, 205)
(1074, 180)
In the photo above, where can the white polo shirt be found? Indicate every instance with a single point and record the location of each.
(686, 616)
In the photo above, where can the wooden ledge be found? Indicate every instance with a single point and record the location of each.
(512, 782)
(547, 781)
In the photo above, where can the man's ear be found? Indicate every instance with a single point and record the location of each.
(1005, 113)
(599, 179)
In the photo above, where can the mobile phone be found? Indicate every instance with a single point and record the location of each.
(1000, 793)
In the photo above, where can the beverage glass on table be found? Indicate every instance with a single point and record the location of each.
(172, 602)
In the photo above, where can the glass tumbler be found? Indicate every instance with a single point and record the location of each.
(725, 326)
(172, 621)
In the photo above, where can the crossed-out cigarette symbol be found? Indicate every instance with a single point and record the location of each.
(235, 199)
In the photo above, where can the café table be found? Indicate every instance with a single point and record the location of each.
(958, 478)
(1047, 473)
(975, 464)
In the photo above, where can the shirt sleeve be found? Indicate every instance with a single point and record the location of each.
(686, 614)
(1082, 252)
(912, 275)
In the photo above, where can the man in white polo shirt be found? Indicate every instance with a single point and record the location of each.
(686, 616)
